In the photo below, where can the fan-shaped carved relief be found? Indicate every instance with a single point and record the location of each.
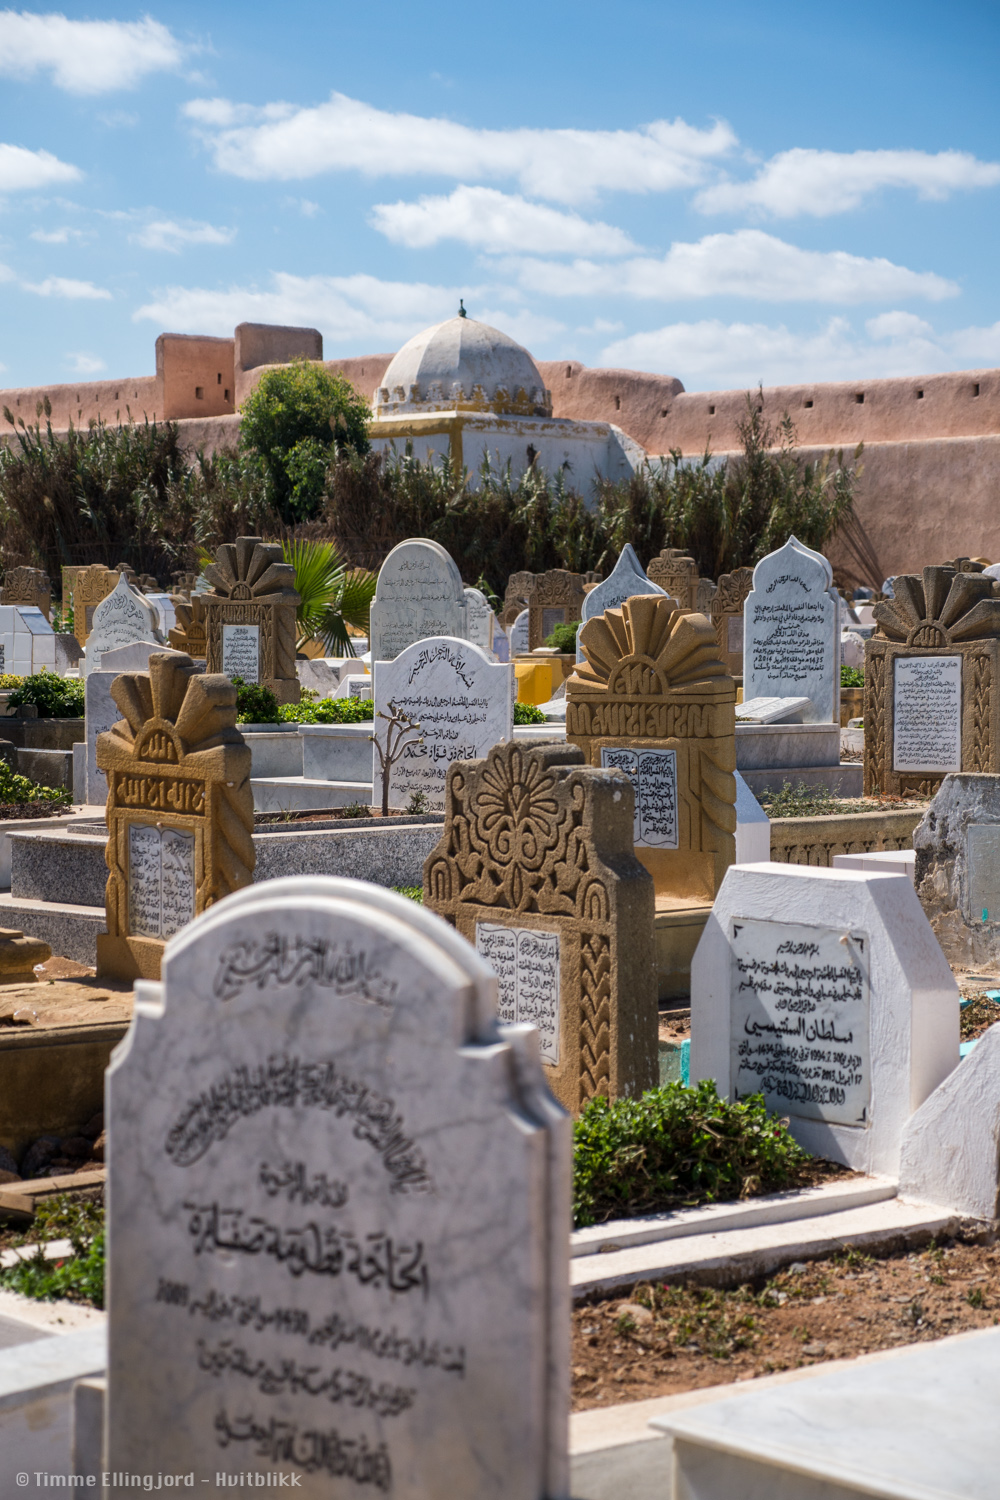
(253, 588)
(941, 608)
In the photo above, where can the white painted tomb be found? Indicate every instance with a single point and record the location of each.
(880, 862)
(29, 644)
(753, 827)
(463, 702)
(122, 618)
(419, 594)
(791, 632)
(354, 1264)
(826, 991)
(626, 579)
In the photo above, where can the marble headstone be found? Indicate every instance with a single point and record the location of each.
(827, 991)
(792, 631)
(354, 1267)
(628, 577)
(463, 702)
(501, 642)
(518, 635)
(927, 713)
(166, 611)
(122, 618)
(479, 619)
(419, 594)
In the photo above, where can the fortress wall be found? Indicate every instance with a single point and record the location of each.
(81, 402)
(196, 376)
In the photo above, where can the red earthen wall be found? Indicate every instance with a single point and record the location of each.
(196, 376)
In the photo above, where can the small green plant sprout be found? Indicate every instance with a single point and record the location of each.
(356, 810)
(407, 733)
(417, 803)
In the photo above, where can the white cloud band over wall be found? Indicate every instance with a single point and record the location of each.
(491, 220)
(284, 141)
(748, 263)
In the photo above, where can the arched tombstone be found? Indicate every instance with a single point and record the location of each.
(517, 634)
(791, 632)
(353, 1265)
(627, 578)
(479, 619)
(419, 593)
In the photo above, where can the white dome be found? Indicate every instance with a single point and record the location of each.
(463, 365)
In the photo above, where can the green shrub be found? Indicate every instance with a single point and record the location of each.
(294, 421)
(10, 680)
(55, 697)
(412, 892)
(528, 713)
(328, 711)
(563, 637)
(15, 789)
(852, 677)
(78, 1276)
(676, 1146)
(255, 704)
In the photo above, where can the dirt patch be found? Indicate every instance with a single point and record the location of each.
(675, 1026)
(677, 1336)
(11, 811)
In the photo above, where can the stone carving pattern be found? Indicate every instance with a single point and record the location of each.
(595, 1017)
(254, 586)
(981, 715)
(177, 752)
(731, 594)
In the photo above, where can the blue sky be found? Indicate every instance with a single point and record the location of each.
(724, 193)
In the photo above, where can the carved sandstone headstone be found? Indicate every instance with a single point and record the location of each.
(554, 598)
(351, 1275)
(791, 632)
(179, 809)
(727, 616)
(250, 616)
(90, 586)
(188, 635)
(931, 704)
(419, 593)
(535, 867)
(27, 586)
(654, 699)
(676, 574)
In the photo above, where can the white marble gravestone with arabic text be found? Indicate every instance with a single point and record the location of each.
(479, 619)
(354, 1267)
(927, 713)
(518, 635)
(827, 992)
(419, 594)
(122, 618)
(653, 774)
(791, 635)
(463, 702)
(626, 579)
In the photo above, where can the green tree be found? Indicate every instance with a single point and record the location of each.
(295, 420)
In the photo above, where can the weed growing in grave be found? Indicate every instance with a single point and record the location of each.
(411, 892)
(696, 1319)
(677, 1146)
(528, 713)
(255, 704)
(417, 803)
(54, 697)
(852, 677)
(79, 1276)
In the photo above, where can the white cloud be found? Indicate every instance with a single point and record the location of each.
(21, 168)
(85, 57)
(748, 263)
(712, 355)
(345, 308)
(85, 364)
(60, 236)
(821, 183)
(491, 220)
(65, 286)
(284, 141)
(167, 234)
